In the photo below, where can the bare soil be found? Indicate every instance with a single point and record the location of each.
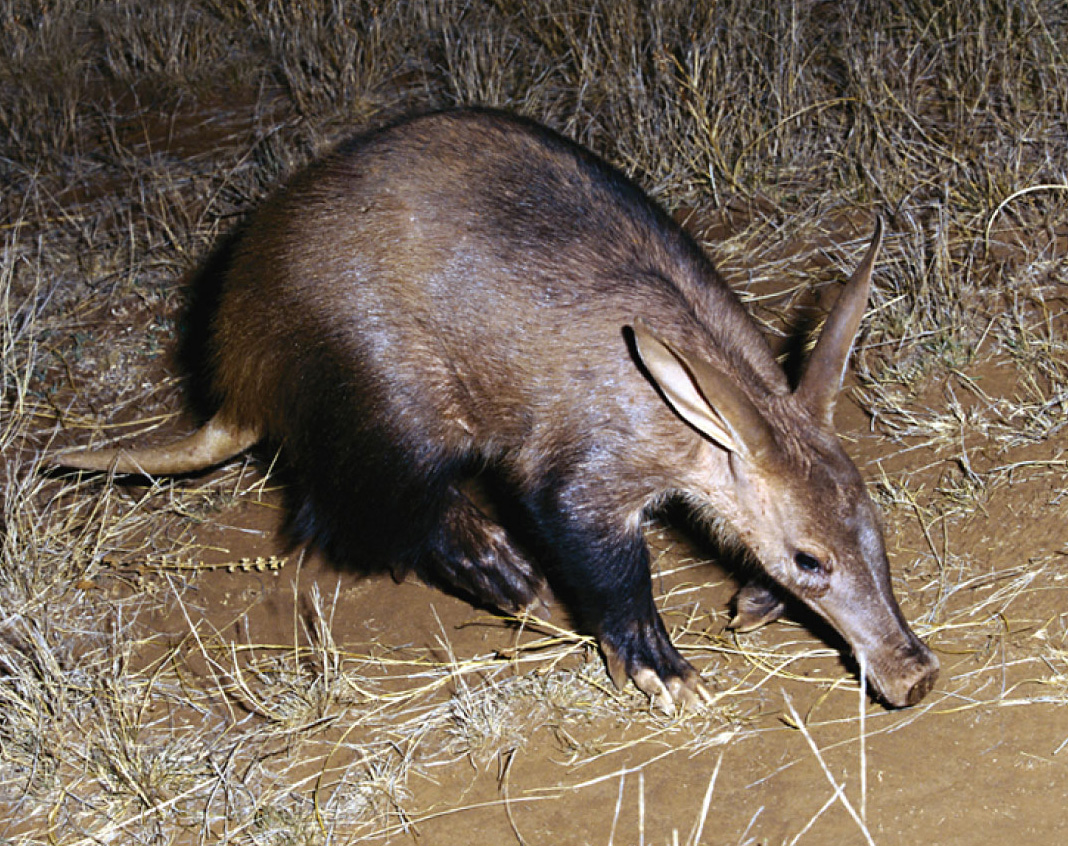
(980, 761)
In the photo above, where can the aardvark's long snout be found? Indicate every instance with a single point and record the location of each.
(903, 673)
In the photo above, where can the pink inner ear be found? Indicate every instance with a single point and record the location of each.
(675, 380)
(705, 397)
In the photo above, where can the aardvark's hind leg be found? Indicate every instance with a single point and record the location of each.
(474, 554)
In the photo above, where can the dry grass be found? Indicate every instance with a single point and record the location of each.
(134, 133)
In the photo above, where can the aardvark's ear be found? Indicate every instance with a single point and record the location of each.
(705, 397)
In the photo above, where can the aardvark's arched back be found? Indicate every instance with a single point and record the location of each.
(469, 293)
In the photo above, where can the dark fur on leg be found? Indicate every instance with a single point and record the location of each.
(403, 511)
(606, 584)
(474, 554)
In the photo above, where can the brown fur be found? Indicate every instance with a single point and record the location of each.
(451, 297)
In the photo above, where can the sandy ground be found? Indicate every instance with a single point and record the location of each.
(980, 761)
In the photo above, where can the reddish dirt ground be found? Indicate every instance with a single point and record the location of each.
(980, 761)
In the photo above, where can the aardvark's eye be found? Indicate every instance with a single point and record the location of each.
(807, 563)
